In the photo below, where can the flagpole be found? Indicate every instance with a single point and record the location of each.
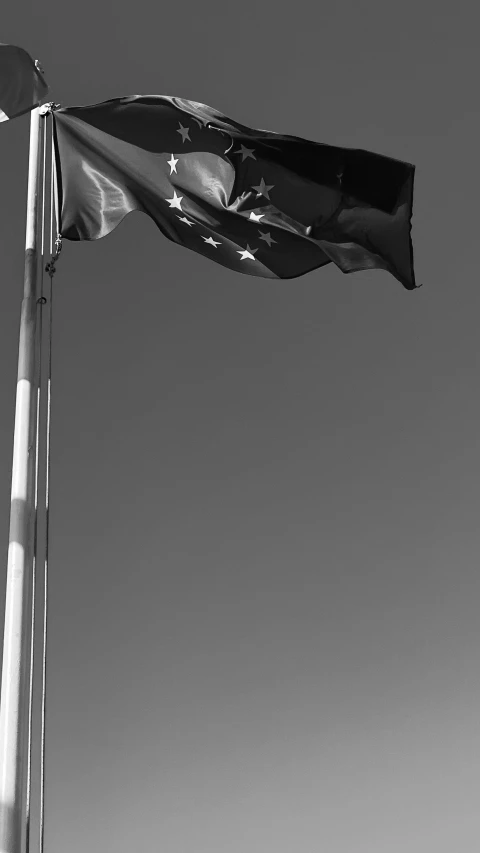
(13, 743)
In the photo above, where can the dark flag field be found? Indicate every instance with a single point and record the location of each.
(258, 202)
(22, 86)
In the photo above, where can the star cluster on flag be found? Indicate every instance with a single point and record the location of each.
(260, 188)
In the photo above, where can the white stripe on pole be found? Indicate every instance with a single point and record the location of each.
(20, 442)
(13, 743)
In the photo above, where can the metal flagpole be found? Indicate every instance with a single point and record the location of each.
(13, 743)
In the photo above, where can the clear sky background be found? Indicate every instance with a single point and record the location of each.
(265, 537)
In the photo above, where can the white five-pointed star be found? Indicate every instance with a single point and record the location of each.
(247, 253)
(212, 242)
(183, 131)
(173, 164)
(246, 152)
(263, 189)
(256, 217)
(184, 219)
(175, 201)
(267, 237)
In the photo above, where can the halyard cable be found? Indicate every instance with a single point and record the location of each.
(38, 346)
(50, 268)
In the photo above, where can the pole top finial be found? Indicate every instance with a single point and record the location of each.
(48, 108)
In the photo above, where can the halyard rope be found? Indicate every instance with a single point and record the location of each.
(39, 347)
(50, 269)
(38, 382)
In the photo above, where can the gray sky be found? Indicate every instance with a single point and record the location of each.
(264, 584)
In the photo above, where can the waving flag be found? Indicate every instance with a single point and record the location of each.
(22, 86)
(255, 201)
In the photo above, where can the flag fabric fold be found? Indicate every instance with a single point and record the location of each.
(22, 86)
(255, 201)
